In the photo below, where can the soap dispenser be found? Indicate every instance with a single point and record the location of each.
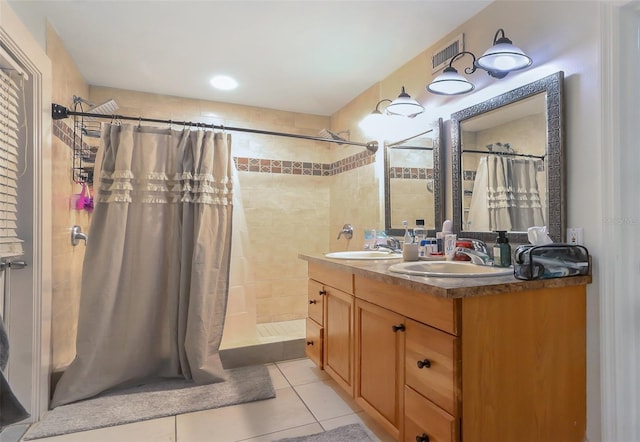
(502, 250)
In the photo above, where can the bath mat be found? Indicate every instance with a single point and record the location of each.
(150, 401)
(351, 433)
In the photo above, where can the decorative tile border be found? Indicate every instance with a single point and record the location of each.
(469, 175)
(64, 132)
(261, 165)
(411, 173)
(245, 164)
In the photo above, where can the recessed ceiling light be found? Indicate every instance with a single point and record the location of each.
(224, 82)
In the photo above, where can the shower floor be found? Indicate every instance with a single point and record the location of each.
(281, 331)
(274, 341)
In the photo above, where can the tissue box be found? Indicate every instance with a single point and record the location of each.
(550, 261)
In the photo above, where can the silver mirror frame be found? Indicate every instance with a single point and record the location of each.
(552, 85)
(438, 189)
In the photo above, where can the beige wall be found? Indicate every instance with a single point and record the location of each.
(356, 196)
(67, 260)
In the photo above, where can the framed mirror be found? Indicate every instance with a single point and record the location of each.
(508, 163)
(412, 184)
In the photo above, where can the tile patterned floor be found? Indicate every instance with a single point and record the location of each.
(307, 401)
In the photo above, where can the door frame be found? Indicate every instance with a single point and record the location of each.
(29, 316)
(619, 346)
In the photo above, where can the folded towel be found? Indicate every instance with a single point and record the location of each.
(11, 411)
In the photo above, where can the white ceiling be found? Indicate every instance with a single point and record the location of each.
(307, 56)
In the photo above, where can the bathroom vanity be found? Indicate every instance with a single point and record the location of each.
(453, 359)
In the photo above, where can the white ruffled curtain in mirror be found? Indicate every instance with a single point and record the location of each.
(505, 195)
(156, 269)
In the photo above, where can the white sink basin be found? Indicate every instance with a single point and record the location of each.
(449, 269)
(364, 254)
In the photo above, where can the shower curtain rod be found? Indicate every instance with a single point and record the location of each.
(509, 154)
(59, 112)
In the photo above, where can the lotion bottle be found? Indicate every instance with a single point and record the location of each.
(502, 250)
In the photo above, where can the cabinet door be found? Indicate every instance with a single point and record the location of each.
(316, 301)
(432, 360)
(313, 348)
(424, 421)
(379, 366)
(338, 337)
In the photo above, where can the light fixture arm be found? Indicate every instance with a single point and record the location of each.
(502, 39)
(459, 55)
(377, 110)
(500, 59)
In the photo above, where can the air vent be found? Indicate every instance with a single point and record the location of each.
(441, 57)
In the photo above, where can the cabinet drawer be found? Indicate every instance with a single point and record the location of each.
(316, 301)
(432, 364)
(313, 348)
(423, 419)
(329, 276)
(438, 312)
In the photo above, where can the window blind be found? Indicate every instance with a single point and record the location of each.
(10, 109)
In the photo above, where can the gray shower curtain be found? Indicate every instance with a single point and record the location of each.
(156, 268)
(505, 196)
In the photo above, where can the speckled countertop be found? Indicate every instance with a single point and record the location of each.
(443, 287)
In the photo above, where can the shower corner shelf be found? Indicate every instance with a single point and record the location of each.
(84, 153)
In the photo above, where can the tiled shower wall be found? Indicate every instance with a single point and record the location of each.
(67, 260)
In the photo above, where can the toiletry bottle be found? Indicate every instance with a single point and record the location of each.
(423, 248)
(446, 229)
(370, 237)
(419, 232)
(408, 239)
(502, 250)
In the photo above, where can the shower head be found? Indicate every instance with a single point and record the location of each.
(105, 108)
(91, 125)
(334, 136)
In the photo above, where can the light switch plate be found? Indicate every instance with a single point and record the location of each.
(575, 235)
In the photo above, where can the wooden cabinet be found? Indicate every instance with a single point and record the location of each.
(524, 366)
(314, 342)
(379, 365)
(426, 422)
(407, 353)
(505, 366)
(338, 337)
(331, 321)
(432, 365)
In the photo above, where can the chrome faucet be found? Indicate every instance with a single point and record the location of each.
(477, 257)
(478, 245)
(347, 231)
(393, 245)
(77, 235)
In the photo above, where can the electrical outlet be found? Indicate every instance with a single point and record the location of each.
(575, 235)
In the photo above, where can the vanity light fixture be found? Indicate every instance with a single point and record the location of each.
(404, 106)
(500, 59)
(378, 122)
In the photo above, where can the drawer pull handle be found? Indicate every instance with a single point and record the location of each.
(422, 438)
(312, 301)
(309, 342)
(397, 328)
(322, 292)
(426, 363)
